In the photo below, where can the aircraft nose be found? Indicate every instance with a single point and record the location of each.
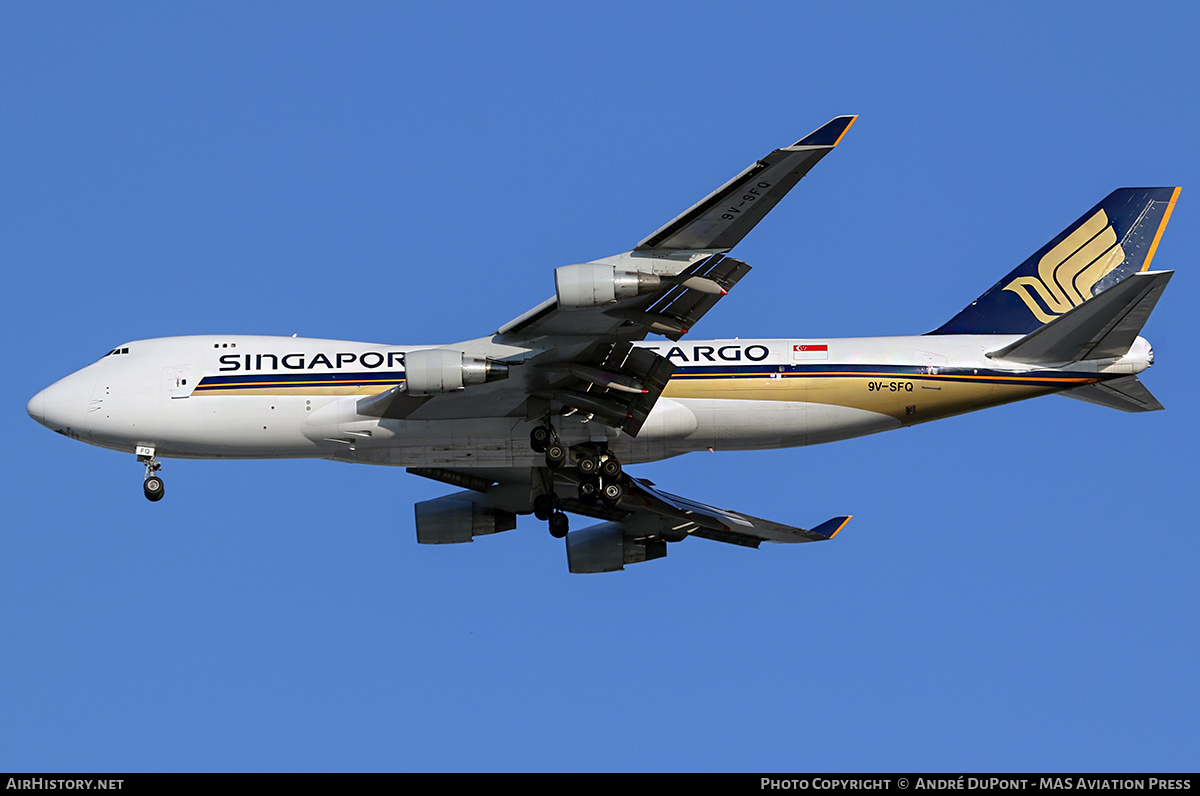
(36, 409)
(63, 406)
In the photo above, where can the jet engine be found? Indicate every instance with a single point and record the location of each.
(438, 370)
(451, 520)
(596, 284)
(606, 548)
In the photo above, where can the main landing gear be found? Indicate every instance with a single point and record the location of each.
(546, 508)
(153, 485)
(597, 469)
(599, 477)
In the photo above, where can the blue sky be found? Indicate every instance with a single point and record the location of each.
(1016, 590)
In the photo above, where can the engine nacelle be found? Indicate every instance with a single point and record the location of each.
(606, 548)
(438, 370)
(452, 520)
(596, 284)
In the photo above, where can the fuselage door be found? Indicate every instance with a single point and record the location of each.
(179, 381)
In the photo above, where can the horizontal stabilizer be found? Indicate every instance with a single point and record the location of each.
(1127, 394)
(724, 217)
(1105, 326)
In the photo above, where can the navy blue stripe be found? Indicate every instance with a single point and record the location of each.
(298, 379)
(239, 381)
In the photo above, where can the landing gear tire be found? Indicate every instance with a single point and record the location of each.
(555, 455)
(589, 491)
(559, 525)
(540, 438)
(588, 466)
(610, 468)
(154, 489)
(544, 506)
(612, 493)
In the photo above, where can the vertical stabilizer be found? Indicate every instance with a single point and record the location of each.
(1113, 240)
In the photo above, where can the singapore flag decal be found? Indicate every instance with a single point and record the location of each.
(803, 351)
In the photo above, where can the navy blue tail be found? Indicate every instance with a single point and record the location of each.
(1114, 239)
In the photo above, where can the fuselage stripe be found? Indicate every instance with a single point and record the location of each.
(897, 372)
(691, 374)
(245, 382)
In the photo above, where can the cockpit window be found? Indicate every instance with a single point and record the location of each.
(124, 350)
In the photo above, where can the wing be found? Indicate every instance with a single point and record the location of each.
(680, 253)
(610, 381)
(724, 217)
(635, 528)
(573, 353)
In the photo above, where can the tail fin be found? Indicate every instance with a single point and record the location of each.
(1113, 240)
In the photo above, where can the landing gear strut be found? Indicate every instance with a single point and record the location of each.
(153, 485)
(544, 439)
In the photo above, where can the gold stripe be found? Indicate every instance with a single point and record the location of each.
(839, 528)
(1162, 225)
(853, 119)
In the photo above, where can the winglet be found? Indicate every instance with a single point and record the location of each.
(828, 135)
(830, 528)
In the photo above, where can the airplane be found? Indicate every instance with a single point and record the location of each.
(544, 415)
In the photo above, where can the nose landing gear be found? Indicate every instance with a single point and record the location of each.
(153, 485)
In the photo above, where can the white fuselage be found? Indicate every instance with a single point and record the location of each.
(240, 396)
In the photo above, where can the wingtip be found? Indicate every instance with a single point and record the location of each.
(830, 528)
(830, 134)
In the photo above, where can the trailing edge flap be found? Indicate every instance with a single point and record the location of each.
(722, 525)
(1106, 326)
(1127, 394)
(637, 377)
(721, 219)
(684, 307)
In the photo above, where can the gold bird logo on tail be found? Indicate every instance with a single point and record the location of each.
(1069, 271)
